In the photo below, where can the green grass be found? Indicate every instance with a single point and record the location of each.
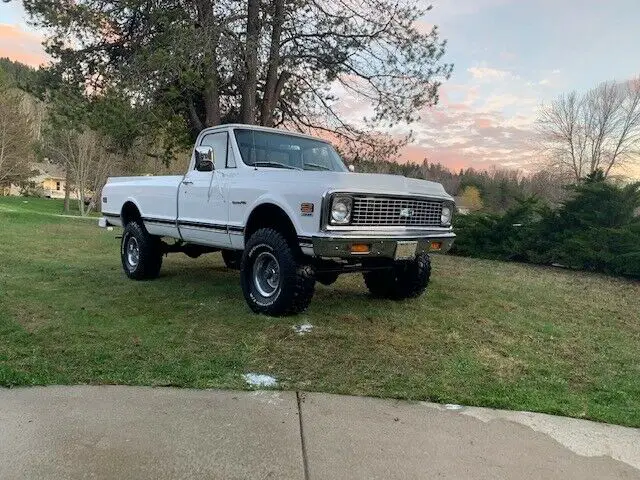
(486, 333)
(48, 206)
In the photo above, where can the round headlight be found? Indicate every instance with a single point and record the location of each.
(445, 217)
(341, 210)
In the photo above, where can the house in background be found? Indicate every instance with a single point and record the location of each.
(50, 177)
(48, 180)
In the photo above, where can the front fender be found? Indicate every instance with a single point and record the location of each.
(279, 201)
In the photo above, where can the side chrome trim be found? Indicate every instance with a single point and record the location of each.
(202, 225)
(161, 221)
(231, 229)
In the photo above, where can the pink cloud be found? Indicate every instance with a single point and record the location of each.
(449, 158)
(482, 123)
(22, 46)
(447, 90)
(423, 27)
(467, 134)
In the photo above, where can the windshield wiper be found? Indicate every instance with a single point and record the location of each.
(275, 164)
(319, 167)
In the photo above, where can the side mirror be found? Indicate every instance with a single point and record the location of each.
(204, 159)
(352, 168)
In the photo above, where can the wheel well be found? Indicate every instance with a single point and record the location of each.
(269, 215)
(129, 213)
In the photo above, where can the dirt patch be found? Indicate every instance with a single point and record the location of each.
(505, 367)
(31, 321)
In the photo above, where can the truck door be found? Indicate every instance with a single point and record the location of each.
(203, 212)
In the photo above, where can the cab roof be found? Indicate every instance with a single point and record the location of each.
(262, 129)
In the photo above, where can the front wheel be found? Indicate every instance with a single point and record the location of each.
(140, 252)
(405, 279)
(273, 281)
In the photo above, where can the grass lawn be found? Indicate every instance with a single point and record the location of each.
(37, 205)
(486, 333)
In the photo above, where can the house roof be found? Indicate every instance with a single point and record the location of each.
(47, 170)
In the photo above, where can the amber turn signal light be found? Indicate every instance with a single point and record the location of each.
(436, 245)
(360, 248)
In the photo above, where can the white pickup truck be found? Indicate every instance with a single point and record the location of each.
(284, 209)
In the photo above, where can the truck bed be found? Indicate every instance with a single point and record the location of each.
(155, 197)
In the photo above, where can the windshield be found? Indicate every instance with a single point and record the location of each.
(279, 150)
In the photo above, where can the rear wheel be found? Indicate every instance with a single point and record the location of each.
(406, 279)
(140, 252)
(274, 281)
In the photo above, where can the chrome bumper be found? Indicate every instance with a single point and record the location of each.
(379, 246)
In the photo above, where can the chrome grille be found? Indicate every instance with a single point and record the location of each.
(383, 211)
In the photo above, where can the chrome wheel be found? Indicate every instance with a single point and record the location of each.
(133, 252)
(266, 274)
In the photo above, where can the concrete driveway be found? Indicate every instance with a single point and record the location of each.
(115, 432)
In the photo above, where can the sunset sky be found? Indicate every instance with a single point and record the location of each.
(509, 55)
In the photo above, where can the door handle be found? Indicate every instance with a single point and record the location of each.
(187, 182)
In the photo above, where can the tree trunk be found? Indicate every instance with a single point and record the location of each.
(81, 201)
(195, 123)
(211, 93)
(250, 87)
(272, 88)
(67, 189)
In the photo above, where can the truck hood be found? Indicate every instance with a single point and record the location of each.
(389, 184)
(364, 182)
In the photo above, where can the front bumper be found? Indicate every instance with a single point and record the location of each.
(380, 246)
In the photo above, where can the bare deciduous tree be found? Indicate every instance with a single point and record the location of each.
(87, 162)
(598, 130)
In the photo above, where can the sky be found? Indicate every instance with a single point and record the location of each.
(509, 56)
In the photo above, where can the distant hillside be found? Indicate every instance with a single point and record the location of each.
(19, 75)
(16, 75)
(499, 189)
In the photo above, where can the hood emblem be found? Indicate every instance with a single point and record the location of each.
(406, 212)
